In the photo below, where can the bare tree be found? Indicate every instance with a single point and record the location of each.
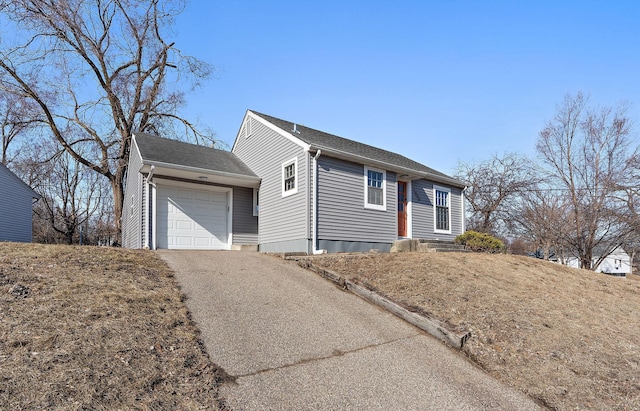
(71, 194)
(17, 116)
(587, 154)
(494, 187)
(97, 70)
(540, 217)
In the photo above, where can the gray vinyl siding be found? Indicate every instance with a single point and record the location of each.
(422, 211)
(457, 212)
(245, 225)
(281, 219)
(132, 219)
(16, 208)
(341, 212)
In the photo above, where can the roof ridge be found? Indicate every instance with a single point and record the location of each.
(332, 135)
(356, 149)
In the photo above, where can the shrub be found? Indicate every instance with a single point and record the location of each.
(480, 242)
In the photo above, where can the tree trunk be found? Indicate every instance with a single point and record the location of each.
(585, 261)
(117, 187)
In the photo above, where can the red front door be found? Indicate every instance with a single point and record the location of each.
(402, 209)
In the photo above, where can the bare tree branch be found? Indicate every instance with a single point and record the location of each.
(119, 67)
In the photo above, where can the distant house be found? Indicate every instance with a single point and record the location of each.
(16, 207)
(284, 188)
(618, 262)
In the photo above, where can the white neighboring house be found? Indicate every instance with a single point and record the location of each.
(616, 263)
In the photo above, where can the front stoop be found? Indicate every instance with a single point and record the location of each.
(425, 246)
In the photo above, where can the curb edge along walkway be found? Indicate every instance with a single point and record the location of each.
(293, 340)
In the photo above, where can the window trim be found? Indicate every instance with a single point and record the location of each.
(286, 193)
(380, 207)
(435, 207)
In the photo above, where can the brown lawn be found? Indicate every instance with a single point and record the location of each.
(97, 328)
(569, 338)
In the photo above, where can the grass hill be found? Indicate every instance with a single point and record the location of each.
(567, 337)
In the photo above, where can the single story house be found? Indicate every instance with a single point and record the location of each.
(283, 187)
(16, 204)
(617, 262)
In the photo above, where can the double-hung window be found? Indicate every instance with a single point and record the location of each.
(289, 177)
(375, 187)
(442, 209)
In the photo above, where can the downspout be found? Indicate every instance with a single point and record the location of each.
(147, 215)
(464, 210)
(307, 201)
(314, 206)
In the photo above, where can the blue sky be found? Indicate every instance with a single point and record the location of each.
(436, 81)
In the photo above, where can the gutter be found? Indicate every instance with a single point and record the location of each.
(150, 175)
(314, 205)
(464, 209)
(393, 167)
(147, 215)
(201, 170)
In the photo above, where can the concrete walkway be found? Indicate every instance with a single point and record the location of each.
(293, 341)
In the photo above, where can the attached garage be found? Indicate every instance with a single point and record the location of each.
(192, 218)
(187, 197)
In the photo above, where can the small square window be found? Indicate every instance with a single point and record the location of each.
(289, 177)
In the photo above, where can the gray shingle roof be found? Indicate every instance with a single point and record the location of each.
(163, 150)
(325, 141)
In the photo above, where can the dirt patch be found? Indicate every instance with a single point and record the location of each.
(569, 338)
(98, 328)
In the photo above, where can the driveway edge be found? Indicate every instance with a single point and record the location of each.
(433, 327)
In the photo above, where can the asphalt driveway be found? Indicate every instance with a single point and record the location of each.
(294, 341)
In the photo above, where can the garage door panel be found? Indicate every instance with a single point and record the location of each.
(184, 241)
(192, 218)
(204, 196)
(184, 225)
(183, 194)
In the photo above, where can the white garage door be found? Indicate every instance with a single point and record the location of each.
(190, 218)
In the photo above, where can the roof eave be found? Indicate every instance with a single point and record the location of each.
(411, 173)
(19, 180)
(147, 165)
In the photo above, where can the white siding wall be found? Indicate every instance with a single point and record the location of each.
(16, 208)
(281, 219)
(132, 217)
(341, 212)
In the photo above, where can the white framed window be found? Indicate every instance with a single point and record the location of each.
(290, 177)
(375, 188)
(256, 202)
(442, 209)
